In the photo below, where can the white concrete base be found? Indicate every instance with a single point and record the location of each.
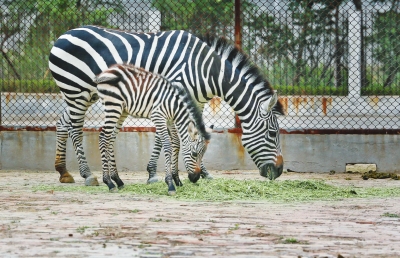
(301, 152)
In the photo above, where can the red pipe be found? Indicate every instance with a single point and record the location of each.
(228, 130)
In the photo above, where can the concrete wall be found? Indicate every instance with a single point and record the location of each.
(303, 153)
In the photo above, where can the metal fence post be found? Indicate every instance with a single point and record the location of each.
(354, 54)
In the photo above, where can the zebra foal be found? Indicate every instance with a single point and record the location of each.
(128, 90)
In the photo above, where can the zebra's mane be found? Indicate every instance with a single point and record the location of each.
(193, 109)
(179, 91)
(223, 46)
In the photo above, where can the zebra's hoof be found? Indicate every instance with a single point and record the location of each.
(121, 187)
(114, 190)
(66, 178)
(151, 180)
(91, 181)
(171, 193)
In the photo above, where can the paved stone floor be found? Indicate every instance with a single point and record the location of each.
(64, 224)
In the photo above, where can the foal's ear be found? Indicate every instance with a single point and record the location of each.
(192, 130)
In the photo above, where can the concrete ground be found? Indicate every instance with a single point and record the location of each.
(65, 224)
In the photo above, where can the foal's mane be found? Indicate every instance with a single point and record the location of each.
(222, 45)
(193, 110)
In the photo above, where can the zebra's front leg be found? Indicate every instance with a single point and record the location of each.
(204, 173)
(76, 134)
(175, 143)
(61, 149)
(161, 128)
(152, 165)
(168, 174)
(112, 167)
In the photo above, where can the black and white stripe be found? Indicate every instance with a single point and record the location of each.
(127, 90)
(205, 67)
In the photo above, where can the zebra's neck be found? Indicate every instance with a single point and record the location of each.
(224, 71)
(244, 95)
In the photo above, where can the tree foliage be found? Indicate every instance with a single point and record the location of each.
(32, 25)
(306, 44)
(199, 17)
(386, 44)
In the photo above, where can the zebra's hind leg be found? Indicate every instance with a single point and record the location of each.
(111, 159)
(77, 111)
(76, 134)
(152, 165)
(61, 146)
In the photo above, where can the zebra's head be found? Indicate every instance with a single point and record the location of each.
(193, 151)
(261, 138)
(252, 97)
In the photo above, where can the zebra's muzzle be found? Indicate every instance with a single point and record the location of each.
(271, 170)
(194, 177)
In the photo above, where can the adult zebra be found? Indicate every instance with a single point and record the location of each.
(205, 68)
(128, 90)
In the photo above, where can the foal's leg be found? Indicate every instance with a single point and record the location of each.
(161, 127)
(106, 140)
(175, 144)
(111, 161)
(152, 165)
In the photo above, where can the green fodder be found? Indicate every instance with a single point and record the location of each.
(242, 190)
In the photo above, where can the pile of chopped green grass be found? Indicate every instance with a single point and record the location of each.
(242, 190)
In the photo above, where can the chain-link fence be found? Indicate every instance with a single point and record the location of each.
(335, 64)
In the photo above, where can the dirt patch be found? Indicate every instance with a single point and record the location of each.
(66, 224)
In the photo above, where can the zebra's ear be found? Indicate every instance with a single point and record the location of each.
(192, 130)
(269, 103)
(109, 78)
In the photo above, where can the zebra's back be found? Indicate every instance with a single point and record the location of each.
(82, 53)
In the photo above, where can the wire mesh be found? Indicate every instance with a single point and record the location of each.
(335, 64)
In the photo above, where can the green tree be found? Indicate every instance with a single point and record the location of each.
(296, 46)
(386, 44)
(199, 17)
(35, 24)
(310, 48)
(9, 26)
